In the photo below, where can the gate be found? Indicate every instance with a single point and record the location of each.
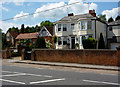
(28, 55)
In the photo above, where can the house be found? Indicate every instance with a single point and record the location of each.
(113, 34)
(46, 32)
(11, 34)
(26, 36)
(73, 28)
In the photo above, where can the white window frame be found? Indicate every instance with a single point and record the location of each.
(85, 25)
(71, 27)
(63, 27)
(58, 27)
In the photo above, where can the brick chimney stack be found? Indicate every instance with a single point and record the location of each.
(70, 14)
(92, 12)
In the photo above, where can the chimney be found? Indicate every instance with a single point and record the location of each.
(70, 14)
(92, 12)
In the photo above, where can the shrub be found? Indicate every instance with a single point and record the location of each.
(40, 43)
(15, 54)
(48, 44)
(54, 39)
(101, 43)
(89, 43)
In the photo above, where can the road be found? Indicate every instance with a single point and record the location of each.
(17, 75)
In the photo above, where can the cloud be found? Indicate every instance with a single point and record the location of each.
(18, 3)
(111, 13)
(3, 8)
(25, 16)
(5, 25)
(79, 8)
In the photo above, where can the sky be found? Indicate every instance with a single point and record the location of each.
(16, 9)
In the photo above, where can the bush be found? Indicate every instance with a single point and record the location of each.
(15, 54)
(40, 43)
(54, 39)
(89, 43)
(101, 44)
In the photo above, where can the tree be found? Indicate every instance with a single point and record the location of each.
(102, 17)
(89, 43)
(117, 18)
(46, 23)
(101, 43)
(22, 28)
(40, 43)
(110, 20)
(27, 29)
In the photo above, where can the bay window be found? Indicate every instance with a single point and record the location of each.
(59, 41)
(64, 41)
(83, 25)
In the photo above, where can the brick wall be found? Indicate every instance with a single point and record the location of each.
(6, 54)
(97, 57)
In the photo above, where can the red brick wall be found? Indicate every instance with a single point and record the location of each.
(6, 54)
(97, 57)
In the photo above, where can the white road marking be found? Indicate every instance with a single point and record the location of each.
(28, 74)
(45, 81)
(39, 68)
(39, 75)
(10, 72)
(12, 81)
(14, 74)
(101, 82)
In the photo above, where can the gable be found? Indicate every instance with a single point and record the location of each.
(44, 32)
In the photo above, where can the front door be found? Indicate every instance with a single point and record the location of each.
(73, 42)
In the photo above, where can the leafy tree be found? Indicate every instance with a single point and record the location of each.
(89, 43)
(40, 43)
(110, 20)
(46, 23)
(22, 28)
(102, 17)
(117, 18)
(101, 43)
(27, 29)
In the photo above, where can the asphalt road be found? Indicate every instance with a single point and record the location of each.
(15, 75)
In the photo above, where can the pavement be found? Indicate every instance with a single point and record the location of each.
(18, 60)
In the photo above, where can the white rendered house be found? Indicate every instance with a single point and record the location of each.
(73, 28)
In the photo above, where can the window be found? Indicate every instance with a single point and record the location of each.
(110, 28)
(89, 25)
(64, 27)
(59, 41)
(44, 32)
(64, 41)
(83, 25)
(73, 27)
(59, 27)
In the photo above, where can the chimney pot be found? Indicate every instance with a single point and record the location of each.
(71, 14)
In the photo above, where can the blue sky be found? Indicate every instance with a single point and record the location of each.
(12, 10)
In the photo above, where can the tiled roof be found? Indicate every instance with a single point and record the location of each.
(27, 36)
(75, 17)
(13, 33)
